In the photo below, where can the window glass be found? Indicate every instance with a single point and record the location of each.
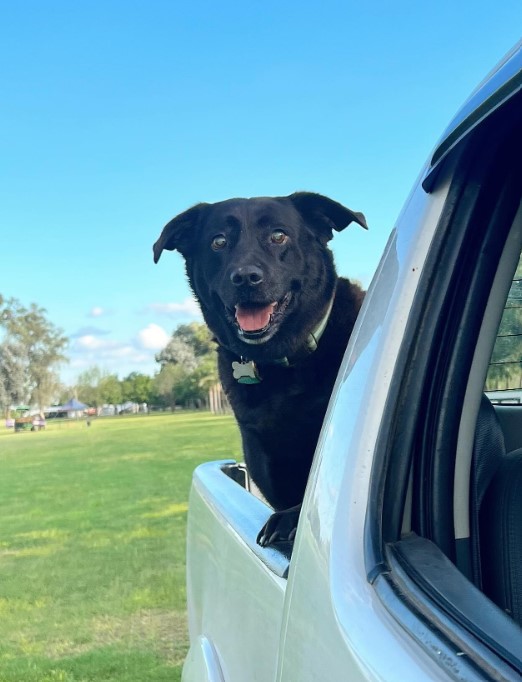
(505, 368)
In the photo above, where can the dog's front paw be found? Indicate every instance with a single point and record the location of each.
(280, 527)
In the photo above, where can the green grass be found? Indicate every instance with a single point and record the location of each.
(92, 546)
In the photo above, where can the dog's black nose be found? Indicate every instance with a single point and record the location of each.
(249, 275)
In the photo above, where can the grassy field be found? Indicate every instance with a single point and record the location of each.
(92, 546)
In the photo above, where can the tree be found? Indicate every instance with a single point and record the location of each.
(39, 346)
(48, 389)
(198, 336)
(178, 352)
(87, 387)
(13, 379)
(206, 373)
(505, 370)
(192, 352)
(165, 383)
(110, 389)
(137, 388)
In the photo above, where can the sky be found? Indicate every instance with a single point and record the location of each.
(116, 115)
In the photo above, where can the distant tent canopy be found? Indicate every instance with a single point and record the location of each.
(70, 408)
(72, 405)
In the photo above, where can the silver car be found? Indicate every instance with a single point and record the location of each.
(407, 564)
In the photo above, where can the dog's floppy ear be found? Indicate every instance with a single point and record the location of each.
(178, 234)
(325, 213)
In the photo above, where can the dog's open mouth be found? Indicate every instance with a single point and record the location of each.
(258, 322)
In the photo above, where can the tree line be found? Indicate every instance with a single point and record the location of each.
(32, 349)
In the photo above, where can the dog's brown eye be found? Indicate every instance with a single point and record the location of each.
(278, 237)
(219, 242)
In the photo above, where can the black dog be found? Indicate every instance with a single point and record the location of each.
(267, 286)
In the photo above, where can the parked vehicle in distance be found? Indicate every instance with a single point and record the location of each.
(406, 563)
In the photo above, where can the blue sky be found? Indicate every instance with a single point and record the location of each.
(117, 115)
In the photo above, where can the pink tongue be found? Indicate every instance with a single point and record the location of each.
(253, 319)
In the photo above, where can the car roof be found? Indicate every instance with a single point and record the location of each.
(499, 86)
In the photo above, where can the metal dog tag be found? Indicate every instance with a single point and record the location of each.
(245, 372)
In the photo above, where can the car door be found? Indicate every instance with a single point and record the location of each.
(441, 535)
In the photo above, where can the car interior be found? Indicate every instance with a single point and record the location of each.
(496, 465)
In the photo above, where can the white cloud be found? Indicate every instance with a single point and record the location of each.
(189, 307)
(98, 311)
(89, 342)
(153, 337)
(119, 356)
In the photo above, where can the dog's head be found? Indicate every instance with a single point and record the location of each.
(260, 268)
